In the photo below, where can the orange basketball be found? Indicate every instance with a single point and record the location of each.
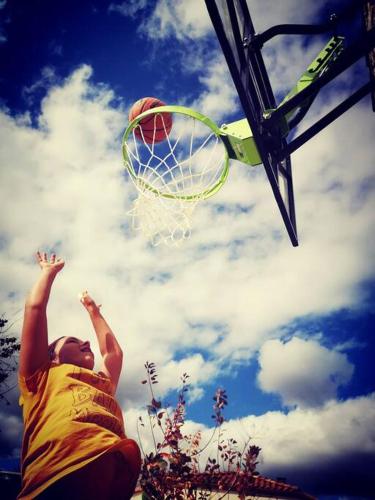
(153, 128)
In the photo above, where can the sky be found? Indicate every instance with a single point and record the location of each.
(288, 332)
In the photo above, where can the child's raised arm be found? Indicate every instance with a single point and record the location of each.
(109, 347)
(34, 339)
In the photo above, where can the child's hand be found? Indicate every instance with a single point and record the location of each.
(52, 266)
(88, 302)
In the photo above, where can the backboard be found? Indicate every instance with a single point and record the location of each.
(271, 124)
(234, 29)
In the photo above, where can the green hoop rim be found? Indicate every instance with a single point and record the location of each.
(182, 110)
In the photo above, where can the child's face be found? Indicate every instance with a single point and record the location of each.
(75, 352)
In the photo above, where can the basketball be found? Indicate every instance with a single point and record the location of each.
(153, 128)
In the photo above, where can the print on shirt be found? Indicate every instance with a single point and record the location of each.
(93, 405)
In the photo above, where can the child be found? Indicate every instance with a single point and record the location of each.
(74, 444)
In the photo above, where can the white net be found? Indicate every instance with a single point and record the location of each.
(172, 175)
(162, 220)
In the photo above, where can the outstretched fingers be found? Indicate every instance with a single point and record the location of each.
(43, 257)
(50, 263)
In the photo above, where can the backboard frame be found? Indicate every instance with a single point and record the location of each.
(242, 50)
(250, 77)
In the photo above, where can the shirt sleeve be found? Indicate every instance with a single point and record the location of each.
(30, 385)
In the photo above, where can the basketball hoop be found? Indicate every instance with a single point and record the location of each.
(173, 175)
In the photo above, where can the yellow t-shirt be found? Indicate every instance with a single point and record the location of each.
(70, 418)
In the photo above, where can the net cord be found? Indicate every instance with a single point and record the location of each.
(164, 207)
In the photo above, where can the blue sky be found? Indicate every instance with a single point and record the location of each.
(287, 331)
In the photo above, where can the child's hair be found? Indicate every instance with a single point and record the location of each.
(51, 348)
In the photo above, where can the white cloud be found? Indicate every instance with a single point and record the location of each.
(267, 13)
(190, 20)
(350, 344)
(219, 98)
(302, 372)
(333, 445)
(176, 18)
(47, 80)
(130, 8)
(195, 366)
